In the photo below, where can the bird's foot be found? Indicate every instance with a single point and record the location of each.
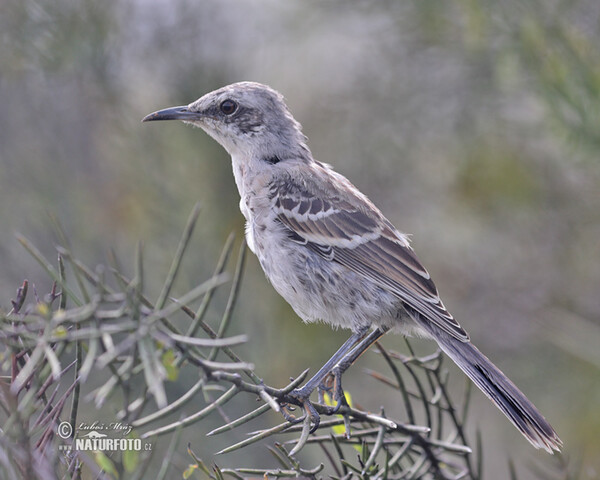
(302, 396)
(333, 383)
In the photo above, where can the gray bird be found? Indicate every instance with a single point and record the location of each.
(329, 251)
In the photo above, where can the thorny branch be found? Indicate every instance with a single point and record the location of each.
(107, 323)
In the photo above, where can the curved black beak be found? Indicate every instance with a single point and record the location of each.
(173, 113)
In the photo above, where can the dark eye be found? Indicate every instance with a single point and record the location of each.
(228, 107)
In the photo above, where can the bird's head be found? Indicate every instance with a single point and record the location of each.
(246, 118)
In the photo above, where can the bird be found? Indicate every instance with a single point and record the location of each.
(331, 253)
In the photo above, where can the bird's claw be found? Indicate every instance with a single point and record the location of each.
(303, 397)
(333, 382)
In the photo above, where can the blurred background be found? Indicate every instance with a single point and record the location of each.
(474, 126)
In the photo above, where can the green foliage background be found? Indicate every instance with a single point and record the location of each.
(473, 125)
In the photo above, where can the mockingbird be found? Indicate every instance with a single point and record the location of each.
(330, 252)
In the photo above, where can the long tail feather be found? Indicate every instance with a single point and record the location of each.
(501, 391)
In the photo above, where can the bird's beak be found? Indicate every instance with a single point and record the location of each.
(174, 113)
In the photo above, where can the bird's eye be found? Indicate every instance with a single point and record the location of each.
(228, 107)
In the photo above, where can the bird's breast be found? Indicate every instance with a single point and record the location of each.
(260, 221)
(317, 289)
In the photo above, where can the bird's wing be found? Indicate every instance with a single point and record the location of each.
(351, 231)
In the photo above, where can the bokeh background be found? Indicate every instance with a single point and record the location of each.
(475, 126)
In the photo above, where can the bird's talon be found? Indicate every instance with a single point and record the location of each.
(338, 392)
(286, 414)
(303, 398)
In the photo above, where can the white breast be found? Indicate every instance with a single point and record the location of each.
(252, 179)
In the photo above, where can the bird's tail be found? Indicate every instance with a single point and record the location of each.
(504, 393)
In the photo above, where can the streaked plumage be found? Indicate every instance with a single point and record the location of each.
(352, 232)
(327, 249)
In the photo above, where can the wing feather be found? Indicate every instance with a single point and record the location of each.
(355, 234)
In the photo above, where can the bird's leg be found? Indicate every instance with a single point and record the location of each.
(344, 363)
(303, 394)
(341, 360)
(336, 358)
